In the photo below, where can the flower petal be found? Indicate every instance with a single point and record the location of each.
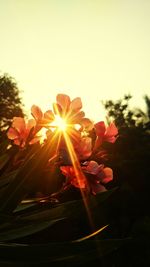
(36, 112)
(76, 104)
(18, 142)
(87, 124)
(76, 118)
(57, 109)
(76, 179)
(12, 134)
(108, 175)
(78, 182)
(19, 124)
(84, 148)
(30, 124)
(100, 128)
(49, 116)
(64, 101)
(111, 130)
(92, 167)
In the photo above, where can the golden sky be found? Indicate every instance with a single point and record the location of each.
(95, 49)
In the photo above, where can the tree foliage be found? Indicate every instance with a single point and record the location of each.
(132, 149)
(10, 102)
(124, 116)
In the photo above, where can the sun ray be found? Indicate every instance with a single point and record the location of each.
(79, 174)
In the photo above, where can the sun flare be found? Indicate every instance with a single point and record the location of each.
(60, 123)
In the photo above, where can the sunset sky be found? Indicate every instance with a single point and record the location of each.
(95, 49)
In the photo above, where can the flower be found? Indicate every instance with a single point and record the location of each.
(104, 133)
(83, 148)
(75, 178)
(71, 111)
(98, 176)
(42, 119)
(36, 113)
(104, 175)
(20, 132)
(93, 177)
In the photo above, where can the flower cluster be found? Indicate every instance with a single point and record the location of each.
(78, 140)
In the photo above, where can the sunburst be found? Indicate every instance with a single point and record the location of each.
(60, 123)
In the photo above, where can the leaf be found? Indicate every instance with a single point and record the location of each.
(92, 234)
(5, 179)
(26, 178)
(3, 160)
(22, 229)
(77, 218)
(63, 252)
(25, 207)
(103, 196)
(33, 204)
(3, 146)
(67, 209)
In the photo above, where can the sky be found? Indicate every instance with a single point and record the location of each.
(93, 49)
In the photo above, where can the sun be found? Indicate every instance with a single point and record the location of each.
(60, 123)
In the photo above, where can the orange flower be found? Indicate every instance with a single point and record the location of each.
(20, 131)
(104, 133)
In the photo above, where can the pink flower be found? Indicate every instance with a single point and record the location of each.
(42, 119)
(71, 110)
(92, 176)
(98, 176)
(104, 133)
(36, 113)
(83, 148)
(77, 179)
(20, 130)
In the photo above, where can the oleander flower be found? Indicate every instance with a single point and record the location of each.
(42, 119)
(71, 111)
(75, 178)
(105, 133)
(83, 148)
(20, 132)
(92, 176)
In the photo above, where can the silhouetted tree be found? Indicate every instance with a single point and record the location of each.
(131, 153)
(124, 116)
(10, 102)
(147, 101)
